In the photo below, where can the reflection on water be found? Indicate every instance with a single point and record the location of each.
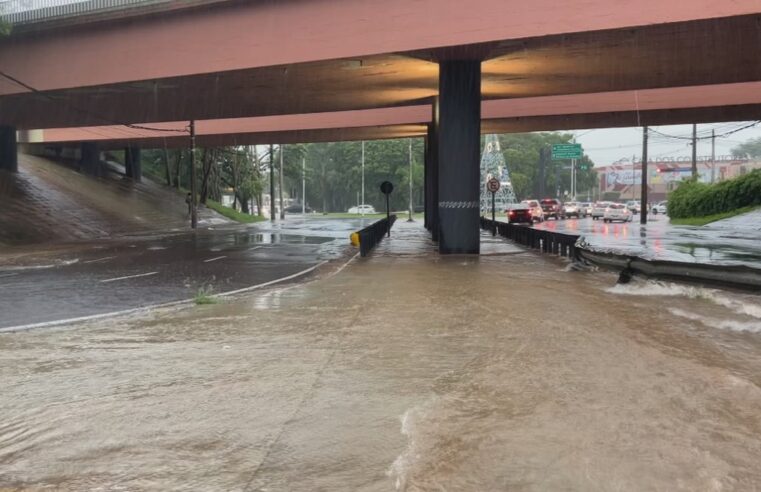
(412, 373)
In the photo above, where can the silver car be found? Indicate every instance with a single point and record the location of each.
(598, 210)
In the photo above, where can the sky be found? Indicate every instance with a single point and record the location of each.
(607, 146)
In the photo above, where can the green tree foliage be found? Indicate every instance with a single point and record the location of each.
(751, 148)
(695, 199)
(522, 157)
(334, 171)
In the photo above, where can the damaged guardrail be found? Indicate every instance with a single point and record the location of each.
(367, 238)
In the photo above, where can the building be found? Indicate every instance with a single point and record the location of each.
(621, 180)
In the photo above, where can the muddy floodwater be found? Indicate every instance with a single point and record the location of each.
(413, 373)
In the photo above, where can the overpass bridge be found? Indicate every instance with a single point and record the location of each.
(311, 70)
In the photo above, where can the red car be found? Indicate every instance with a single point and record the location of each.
(552, 208)
(519, 213)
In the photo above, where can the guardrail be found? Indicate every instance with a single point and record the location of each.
(546, 241)
(371, 235)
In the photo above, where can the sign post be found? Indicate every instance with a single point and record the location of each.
(386, 188)
(566, 151)
(493, 186)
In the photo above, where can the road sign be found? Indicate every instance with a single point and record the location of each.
(493, 185)
(386, 188)
(566, 151)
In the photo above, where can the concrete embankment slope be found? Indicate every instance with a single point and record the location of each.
(47, 201)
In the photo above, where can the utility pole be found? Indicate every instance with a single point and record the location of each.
(363, 178)
(280, 187)
(303, 185)
(272, 183)
(643, 192)
(713, 156)
(193, 206)
(694, 150)
(410, 180)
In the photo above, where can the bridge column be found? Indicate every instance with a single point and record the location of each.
(432, 172)
(89, 161)
(132, 166)
(459, 141)
(8, 151)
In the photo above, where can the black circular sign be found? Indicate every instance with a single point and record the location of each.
(386, 188)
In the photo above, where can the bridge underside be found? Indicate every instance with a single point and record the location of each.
(600, 72)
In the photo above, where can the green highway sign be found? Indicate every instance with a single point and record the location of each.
(566, 151)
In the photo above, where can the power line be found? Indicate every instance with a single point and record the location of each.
(86, 112)
(727, 133)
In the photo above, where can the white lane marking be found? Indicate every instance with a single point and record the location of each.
(214, 259)
(128, 276)
(47, 324)
(8, 275)
(100, 259)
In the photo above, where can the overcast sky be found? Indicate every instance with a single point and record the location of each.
(607, 146)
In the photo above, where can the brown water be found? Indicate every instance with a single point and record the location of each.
(399, 373)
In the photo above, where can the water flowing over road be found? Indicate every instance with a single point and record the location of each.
(399, 372)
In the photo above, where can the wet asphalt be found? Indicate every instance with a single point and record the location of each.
(735, 241)
(134, 272)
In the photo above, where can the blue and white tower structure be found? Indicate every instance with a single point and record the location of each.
(493, 166)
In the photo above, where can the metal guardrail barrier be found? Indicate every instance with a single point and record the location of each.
(569, 245)
(18, 12)
(371, 235)
(546, 241)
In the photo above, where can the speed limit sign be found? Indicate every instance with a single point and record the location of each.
(493, 185)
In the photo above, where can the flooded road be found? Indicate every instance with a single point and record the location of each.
(399, 372)
(92, 278)
(735, 241)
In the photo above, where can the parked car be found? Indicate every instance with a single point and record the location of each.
(659, 208)
(536, 210)
(296, 209)
(572, 209)
(598, 210)
(617, 211)
(585, 209)
(362, 209)
(633, 206)
(519, 213)
(552, 208)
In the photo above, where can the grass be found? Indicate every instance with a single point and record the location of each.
(707, 219)
(232, 213)
(204, 296)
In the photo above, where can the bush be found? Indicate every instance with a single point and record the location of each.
(694, 199)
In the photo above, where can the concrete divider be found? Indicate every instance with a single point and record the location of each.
(367, 238)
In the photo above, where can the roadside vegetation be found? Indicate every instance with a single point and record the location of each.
(695, 203)
(233, 214)
(204, 296)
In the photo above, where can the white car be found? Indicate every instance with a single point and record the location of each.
(362, 209)
(659, 208)
(572, 209)
(598, 210)
(633, 206)
(617, 211)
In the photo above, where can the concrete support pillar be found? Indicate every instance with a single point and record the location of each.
(459, 142)
(426, 184)
(8, 150)
(89, 161)
(433, 171)
(132, 166)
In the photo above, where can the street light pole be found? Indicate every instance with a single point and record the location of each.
(362, 209)
(272, 183)
(713, 156)
(643, 192)
(303, 185)
(410, 180)
(193, 207)
(280, 187)
(694, 150)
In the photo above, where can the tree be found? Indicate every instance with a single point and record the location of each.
(750, 149)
